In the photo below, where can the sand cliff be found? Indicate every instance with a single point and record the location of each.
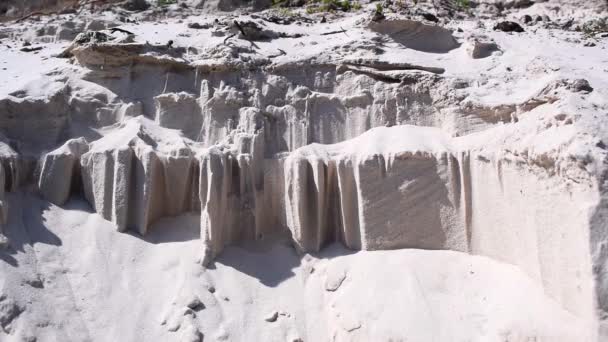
(374, 134)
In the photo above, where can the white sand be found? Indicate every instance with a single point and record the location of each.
(103, 286)
(401, 180)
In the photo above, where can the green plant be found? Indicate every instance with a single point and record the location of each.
(595, 26)
(311, 10)
(165, 2)
(285, 12)
(463, 4)
(356, 5)
(331, 6)
(278, 3)
(379, 9)
(345, 5)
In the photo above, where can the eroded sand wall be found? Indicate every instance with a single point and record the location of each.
(539, 222)
(445, 199)
(246, 164)
(513, 213)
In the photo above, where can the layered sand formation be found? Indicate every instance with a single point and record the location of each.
(348, 143)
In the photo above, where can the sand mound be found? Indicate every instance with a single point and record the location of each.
(338, 294)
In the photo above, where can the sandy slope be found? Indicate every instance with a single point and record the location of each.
(101, 286)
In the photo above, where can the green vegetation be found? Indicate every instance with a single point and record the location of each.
(379, 9)
(345, 5)
(595, 26)
(278, 3)
(402, 3)
(285, 12)
(165, 2)
(333, 5)
(463, 4)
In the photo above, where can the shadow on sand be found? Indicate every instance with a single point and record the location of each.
(26, 226)
(271, 261)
